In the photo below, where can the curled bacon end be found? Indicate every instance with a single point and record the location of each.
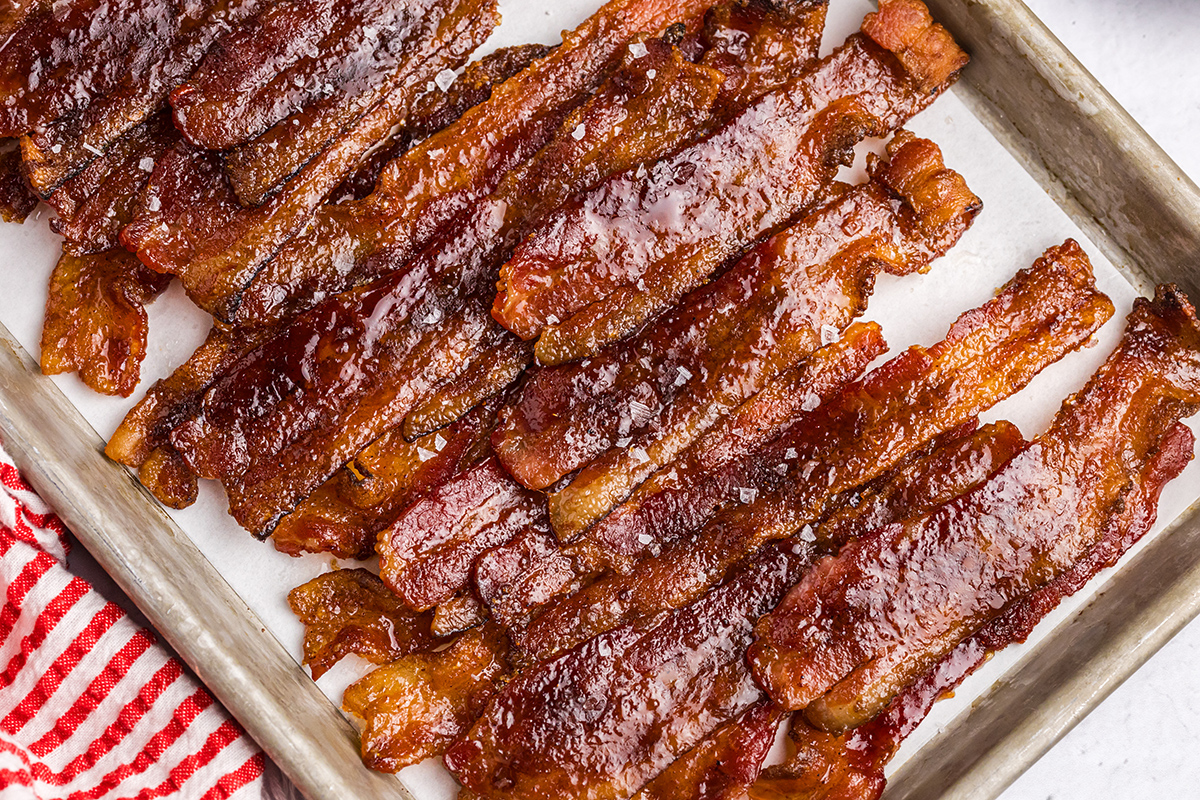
(351, 611)
(927, 50)
(96, 321)
(169, 478)
(415, 707)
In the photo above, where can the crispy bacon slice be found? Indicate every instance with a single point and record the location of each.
(605, 718)
(347, 512)
(394, 34)
(61, 56)
(976, 556)
(95, 320)
(17, 201)
(427, 555)
(618, 255)
(426, 189)
(351, 611)
(416, 706)
(98, 202)
(57, 150)
(532, 570)
(433, 111)
(824, 765)
(458, 614)
(637, 404)
(768, 484)
(488, 373)
(724, 763)
(215, 259)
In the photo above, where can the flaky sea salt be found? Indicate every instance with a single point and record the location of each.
(579, 132)
(146, 164)
(638, 50)
(829, 334)
(810, 402)
(747, 494)
(445, 79)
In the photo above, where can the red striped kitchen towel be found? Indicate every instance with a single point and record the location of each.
(91, 708)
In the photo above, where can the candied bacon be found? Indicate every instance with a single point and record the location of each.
(350, 611)
(616, 256)
(989, 353)
(726, 761)
(345, 514)
(726, 340)
(746, 482)
(57, 150)
(458, 614)
(532, 571)
(259, 167)
(824, 765)
(63, 55)
(488, 373)
(96, 320)
(216, 257)
(98, 202)
(421, 193)
(606, 717)
(426, 556)
(977, 555)
(416, 706)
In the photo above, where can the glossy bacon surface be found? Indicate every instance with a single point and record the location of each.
(57, 150)
(761, 476)
(605, 718)
(98, 202)
(824, 765)
(989, 353)
(345, 514)
(215, 259)
(61, 56)
(426, 556)
(397, 57)
(725, 341)
(416, 706)
(95, 320)
(1030, 522)
(621, 253)
(351, 611)
(536, 570)
(431, 185)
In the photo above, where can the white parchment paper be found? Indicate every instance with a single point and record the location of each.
(1019, 221)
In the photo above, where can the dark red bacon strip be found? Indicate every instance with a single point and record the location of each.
(17, 200)
(618, 255)
(633, 407)
(970, 560)
(605, 718)
(762, 485)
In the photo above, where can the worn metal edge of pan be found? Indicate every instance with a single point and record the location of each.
(1138, 206)
(178, 590)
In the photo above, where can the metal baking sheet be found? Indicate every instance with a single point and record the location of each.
(1074, 150)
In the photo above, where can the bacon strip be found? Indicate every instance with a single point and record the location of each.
(426, 189)
(618, 255)
(215, 259)
(637, 404)
(222, 443)
(346, 513)
(57, 150)
(96, 319)
(351, 611)
(606, 717)
(416, 706)
(427, 555)
(768, 486)
(1030, 522)
(825, 765)
(98, 202)
(259, 167)
(531, 571)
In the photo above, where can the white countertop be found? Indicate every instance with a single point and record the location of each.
(1142, 741)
